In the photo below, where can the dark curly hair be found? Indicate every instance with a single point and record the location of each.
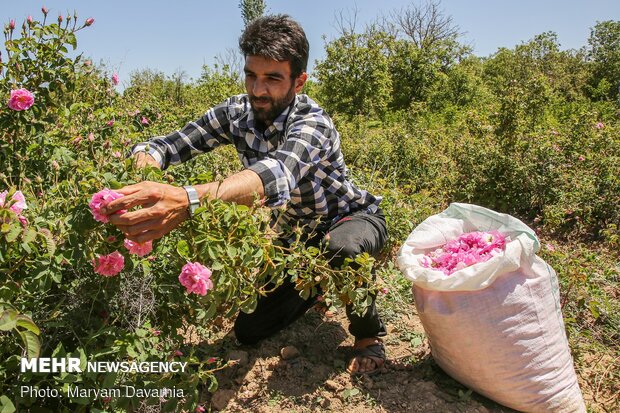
(277, 37)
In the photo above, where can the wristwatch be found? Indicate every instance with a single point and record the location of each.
(194, 201)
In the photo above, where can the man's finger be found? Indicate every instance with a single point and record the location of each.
(135, 217)
(132, 198)
(146, 236)
(151, 224)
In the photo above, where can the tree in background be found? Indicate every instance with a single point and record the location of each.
(251, 9)
(604, 53)
(393, 63)
(354, 77)
(423, 24)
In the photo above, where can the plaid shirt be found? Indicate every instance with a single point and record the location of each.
(298, 158)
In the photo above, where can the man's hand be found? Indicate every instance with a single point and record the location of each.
(164, 207)
(142, 159)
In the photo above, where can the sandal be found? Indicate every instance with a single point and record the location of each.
(370, 348)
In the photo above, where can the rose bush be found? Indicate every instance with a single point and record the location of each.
(72, 285)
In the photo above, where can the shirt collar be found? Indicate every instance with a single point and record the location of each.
(246, 121)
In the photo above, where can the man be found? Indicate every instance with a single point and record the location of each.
(291, 154)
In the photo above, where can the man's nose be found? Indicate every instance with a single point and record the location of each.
(259, 88)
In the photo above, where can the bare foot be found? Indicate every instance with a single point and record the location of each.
(368, 356)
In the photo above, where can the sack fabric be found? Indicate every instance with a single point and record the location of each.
(495, 326)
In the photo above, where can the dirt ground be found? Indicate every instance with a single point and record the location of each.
(313, 379)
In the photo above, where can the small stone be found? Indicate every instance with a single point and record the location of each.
(220, 399)
(240, 356)
(289, 352)
(332, 385)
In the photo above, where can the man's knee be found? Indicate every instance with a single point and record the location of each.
(342, 247)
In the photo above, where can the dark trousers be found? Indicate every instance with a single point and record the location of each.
(354, 234)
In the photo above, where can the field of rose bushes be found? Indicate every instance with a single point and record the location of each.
(531, 131)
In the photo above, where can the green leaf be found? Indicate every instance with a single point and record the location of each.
(217, 265)
(170, 405)
(305, 293)
(13, 233)
(27, 323)
(183, 249)
(59, 351)
(249, 305)
(109, 380)
(26, 248)
(29, 236)
(211, 310)
(6, 405)
(114, 184)
(146, 268)
(32, 343)
(594, 308)
(71, 39)
(213, 385)
(8, 320)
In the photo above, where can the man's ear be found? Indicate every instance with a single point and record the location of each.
(300, 81)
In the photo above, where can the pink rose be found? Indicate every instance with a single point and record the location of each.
(20, 202)
(196, 278)
(115, 79)
(89, 21)
(12, 24)
(599, 125)
(116, 154)
(21, 99)
(144, 120)
(468, 249)
(29, 19)
(140, 249)
(44, 10)
(110, 123)
(200, 409)
(23, 220)
(109, 265)
(101, 199)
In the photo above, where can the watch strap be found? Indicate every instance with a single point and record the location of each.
(194, 200)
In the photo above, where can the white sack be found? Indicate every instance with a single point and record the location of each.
(495, 326)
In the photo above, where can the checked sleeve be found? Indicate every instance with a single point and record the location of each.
(200, 136)
(307, 145)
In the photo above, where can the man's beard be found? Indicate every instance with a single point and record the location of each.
(266, 115)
